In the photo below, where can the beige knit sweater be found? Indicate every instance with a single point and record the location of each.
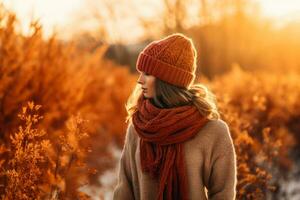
(210, 162)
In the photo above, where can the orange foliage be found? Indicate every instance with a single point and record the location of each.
(45, 157)
(261, 108)
(67, 82)
(37, 168)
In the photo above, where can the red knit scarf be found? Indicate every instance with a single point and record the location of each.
(162, 132)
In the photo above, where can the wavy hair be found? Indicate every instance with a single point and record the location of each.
(168, 96)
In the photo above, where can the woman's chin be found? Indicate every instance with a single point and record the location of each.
(146, 96)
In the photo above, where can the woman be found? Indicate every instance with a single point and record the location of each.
(176, 146)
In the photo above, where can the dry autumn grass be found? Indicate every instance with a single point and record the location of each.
(61, 107)
(38, 168)
(66, 82)
(263, 112)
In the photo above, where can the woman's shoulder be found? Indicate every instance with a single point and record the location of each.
(131, 135)
(217, 125)
(214, 131)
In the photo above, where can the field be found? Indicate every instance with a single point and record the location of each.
(62, 115)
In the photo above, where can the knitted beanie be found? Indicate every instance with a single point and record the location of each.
(171, 59)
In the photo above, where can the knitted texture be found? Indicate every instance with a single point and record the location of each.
(162, 133)
(171, 59)
(210, 163)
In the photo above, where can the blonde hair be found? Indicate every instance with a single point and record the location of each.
(168, 96)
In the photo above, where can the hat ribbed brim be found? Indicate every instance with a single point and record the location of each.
(164, 71)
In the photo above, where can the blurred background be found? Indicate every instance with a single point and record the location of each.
(68, 67)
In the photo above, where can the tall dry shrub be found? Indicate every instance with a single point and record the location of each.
(263, 112)
(37, 167)
(66, 81)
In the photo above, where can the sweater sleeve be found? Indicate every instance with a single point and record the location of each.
(124, 189)
(222, 180)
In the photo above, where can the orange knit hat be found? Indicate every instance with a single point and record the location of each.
(171, 59)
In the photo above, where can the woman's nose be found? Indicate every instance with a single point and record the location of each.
(140, 79)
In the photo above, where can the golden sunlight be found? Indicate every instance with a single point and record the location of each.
(279, 9)
(63, 15)
(69, 88)
(52, 14)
